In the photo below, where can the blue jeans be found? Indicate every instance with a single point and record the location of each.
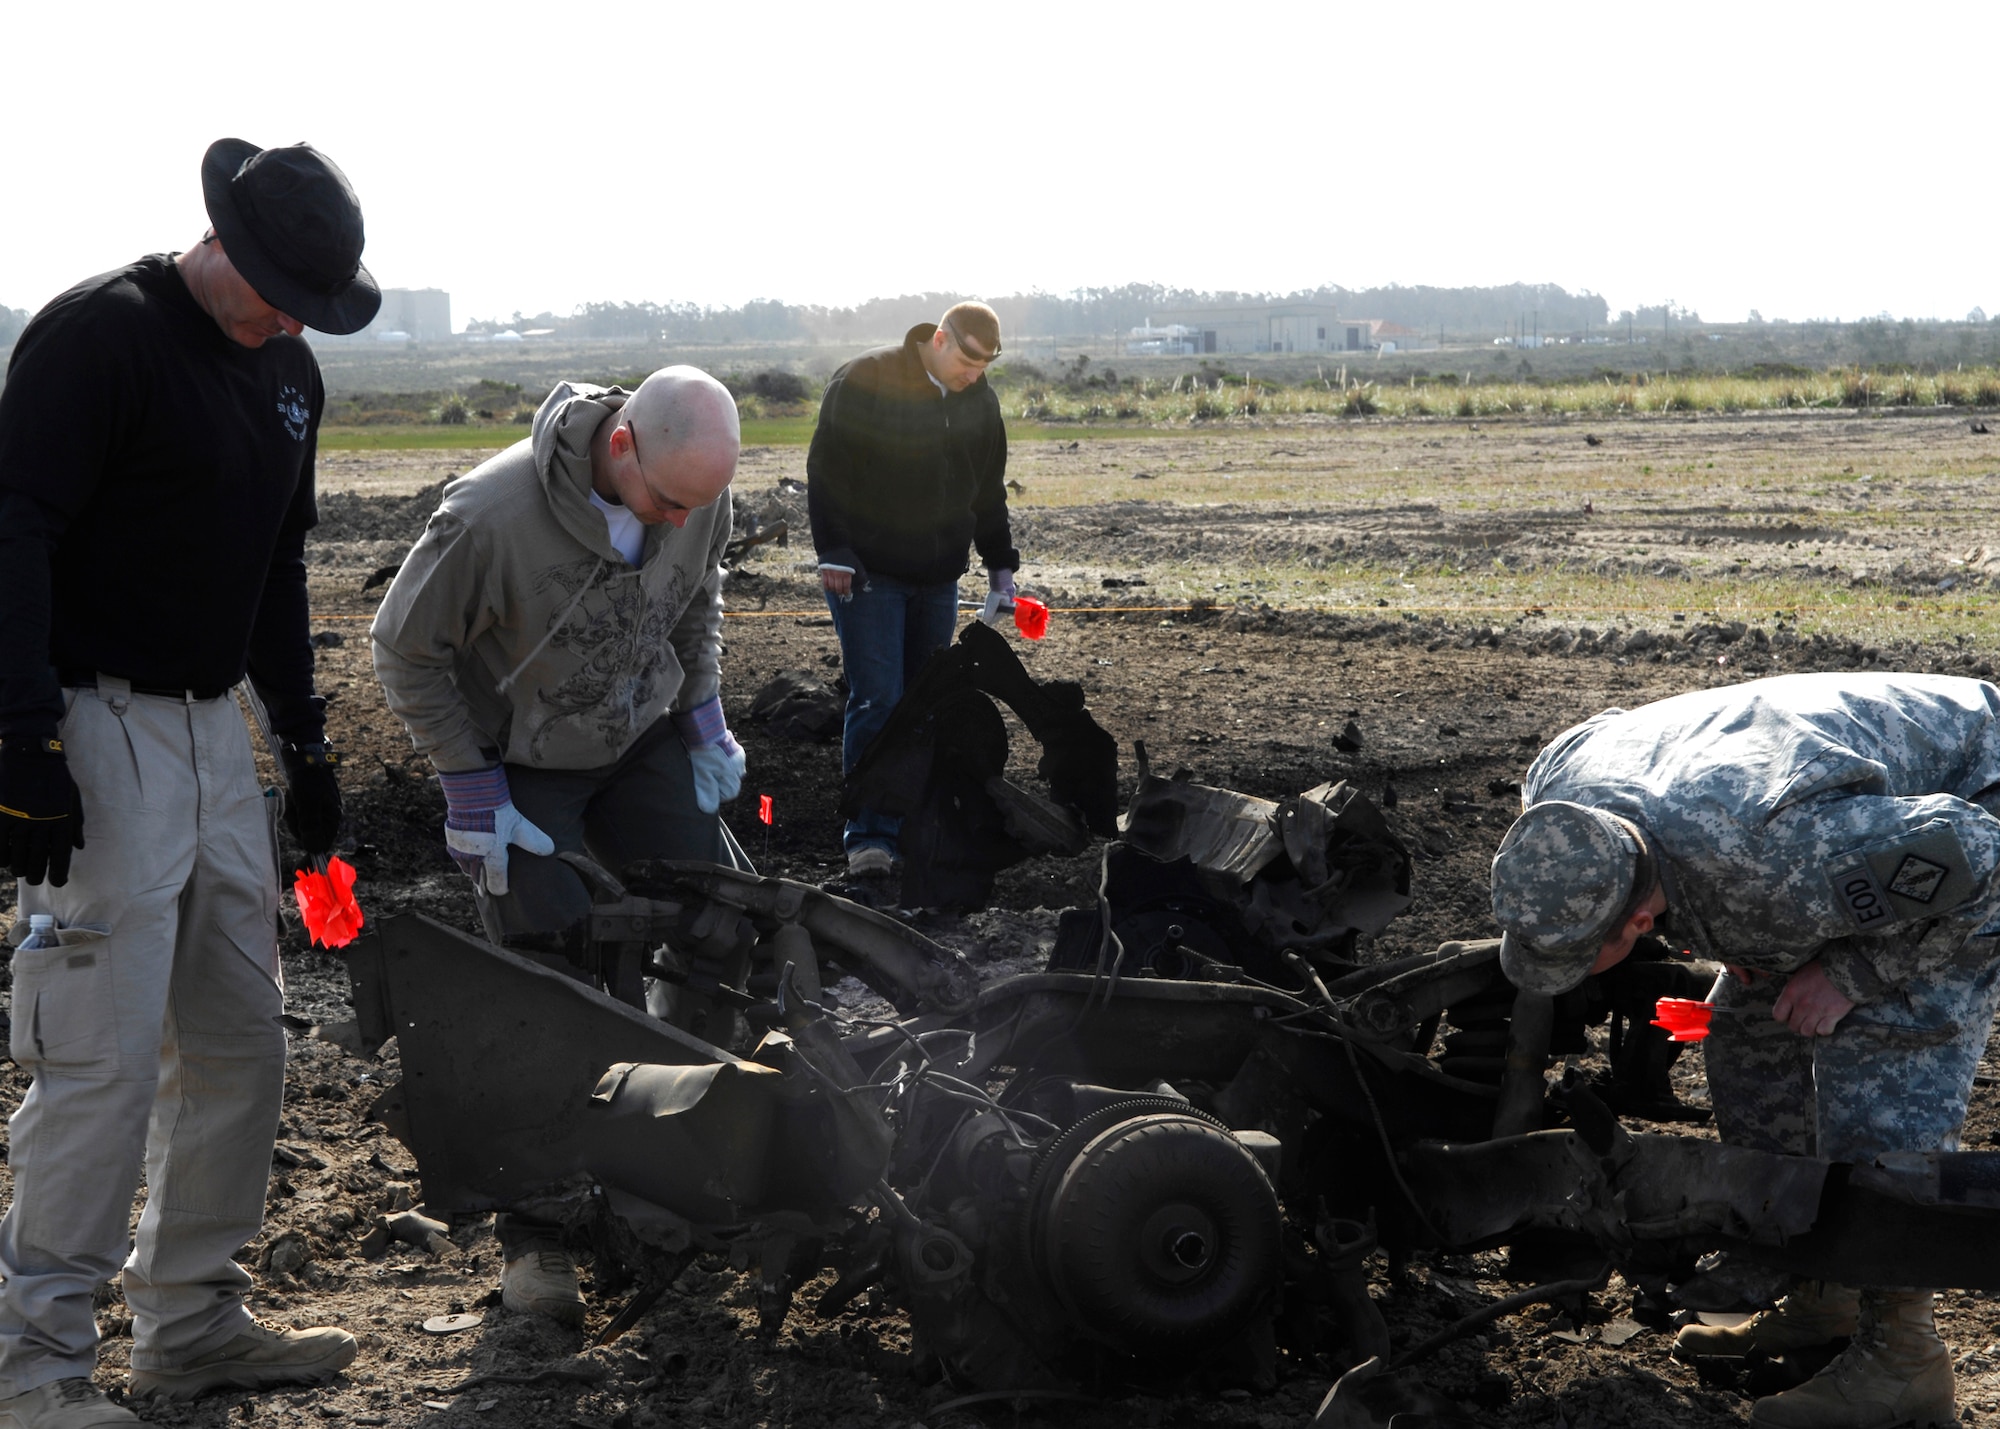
(886, 631)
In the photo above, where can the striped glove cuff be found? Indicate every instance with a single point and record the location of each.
(471, 797)
(704, 725)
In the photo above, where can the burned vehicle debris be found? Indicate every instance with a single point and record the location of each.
(939, 762)
(1167, 1154)
(1209, 877)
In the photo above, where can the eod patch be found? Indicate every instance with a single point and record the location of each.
(1915, 875)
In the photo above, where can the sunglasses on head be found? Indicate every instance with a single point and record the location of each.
(971, 352)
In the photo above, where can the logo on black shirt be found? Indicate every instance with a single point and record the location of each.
(294, 412)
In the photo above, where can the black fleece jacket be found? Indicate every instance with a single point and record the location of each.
(901, 477)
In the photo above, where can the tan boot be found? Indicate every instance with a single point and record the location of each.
(65, 1404)
(1816, 1312)
(1897, 1371)
(543, 1282)
(260, 1357)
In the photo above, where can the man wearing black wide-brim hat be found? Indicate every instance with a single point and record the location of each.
(157, 434)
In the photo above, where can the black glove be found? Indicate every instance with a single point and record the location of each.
(312, 795)
(41, 810)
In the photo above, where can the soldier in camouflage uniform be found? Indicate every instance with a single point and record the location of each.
(1831, 839)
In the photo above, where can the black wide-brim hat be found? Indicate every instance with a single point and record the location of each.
(291, 225)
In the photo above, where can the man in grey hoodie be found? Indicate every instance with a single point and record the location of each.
(553, 643)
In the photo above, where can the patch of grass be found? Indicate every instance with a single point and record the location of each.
(787, 431)
(1561, 596)
(793, 431)
(1208, 398)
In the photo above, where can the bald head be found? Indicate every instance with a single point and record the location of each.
(672, 448)
(684, 418)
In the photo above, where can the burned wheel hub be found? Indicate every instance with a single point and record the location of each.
(1161, 1234)
(1177, 1243)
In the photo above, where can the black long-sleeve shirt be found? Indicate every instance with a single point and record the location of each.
(156, 485)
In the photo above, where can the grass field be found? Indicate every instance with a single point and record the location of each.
(1844, 523)
(1212, 398)
(1216, 396)
(1870, 525)
(481, 436)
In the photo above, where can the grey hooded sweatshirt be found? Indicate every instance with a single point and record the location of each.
(515, 626)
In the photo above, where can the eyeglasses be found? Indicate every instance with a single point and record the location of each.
(659, 501)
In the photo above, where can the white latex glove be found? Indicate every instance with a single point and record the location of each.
(484, 855)
(718, 774)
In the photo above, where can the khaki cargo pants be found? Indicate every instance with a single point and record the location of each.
(152, 1035)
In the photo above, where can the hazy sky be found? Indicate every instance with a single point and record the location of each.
(1800, 159)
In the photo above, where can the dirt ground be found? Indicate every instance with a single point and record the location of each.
(1449, 711)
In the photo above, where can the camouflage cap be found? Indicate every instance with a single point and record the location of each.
(1562, 877)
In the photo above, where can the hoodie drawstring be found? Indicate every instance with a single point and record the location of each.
(557, 624)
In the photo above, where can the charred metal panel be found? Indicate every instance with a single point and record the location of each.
(1863, 1225)
(500, 1057)
(1679, 1186)
(1222, 831)
(1656, 1187)
(1931, 1178)
(695, 1140)
(1865, 1236)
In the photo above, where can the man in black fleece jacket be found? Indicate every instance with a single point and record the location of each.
(907, 468)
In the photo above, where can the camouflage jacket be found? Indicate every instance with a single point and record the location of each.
(1833, 816)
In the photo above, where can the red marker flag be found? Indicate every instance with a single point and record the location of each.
(1031, 617)
(326, 903)
(1684, 1019)
(764, 809)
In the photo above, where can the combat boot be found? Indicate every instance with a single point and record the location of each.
(1896, 1371)
(73, 1403)
(259, 1358)
(1816, 1312)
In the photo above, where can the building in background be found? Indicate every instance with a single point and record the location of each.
(410, 315)
(1173, 340)
(1259, 327)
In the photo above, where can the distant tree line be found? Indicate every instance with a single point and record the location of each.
(1082, 312)
(1471, 310)
(12, 320)
(1663, 315)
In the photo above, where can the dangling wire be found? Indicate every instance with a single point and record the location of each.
(1388, 1151)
